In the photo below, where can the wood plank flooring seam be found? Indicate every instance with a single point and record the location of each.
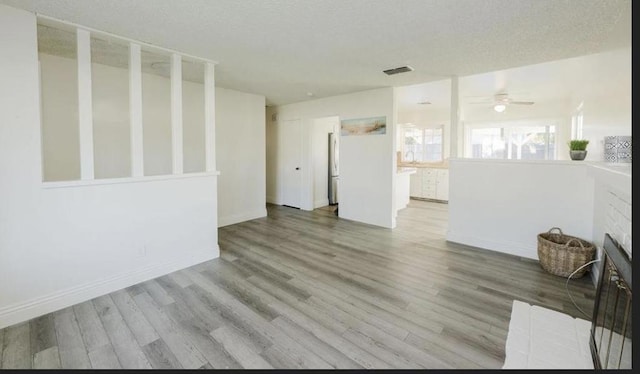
(306, 290)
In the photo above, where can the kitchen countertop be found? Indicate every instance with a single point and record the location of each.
(439, 165)
(407, 170)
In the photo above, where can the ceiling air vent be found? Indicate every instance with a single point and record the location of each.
(402, 69)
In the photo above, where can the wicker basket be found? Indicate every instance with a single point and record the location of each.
(562, 254)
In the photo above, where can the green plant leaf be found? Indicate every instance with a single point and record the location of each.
(578, 144)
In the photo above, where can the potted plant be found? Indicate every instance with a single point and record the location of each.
(578, 149)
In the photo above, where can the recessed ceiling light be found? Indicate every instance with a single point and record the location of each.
(309, 93)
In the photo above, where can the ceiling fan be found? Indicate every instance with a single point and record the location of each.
(502, 100)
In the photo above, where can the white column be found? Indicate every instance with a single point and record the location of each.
(454, 137)
(176, 113)
(85, 106)
(210, 116)
(135, 110)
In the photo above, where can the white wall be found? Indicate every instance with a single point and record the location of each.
(502, 205)
(60, 135)
(111, 131)
(240, 156)
(424, 116)
(193, 127)
(156, 124)
(63, 245)
(240, 127)
(320, 129)
(367, 163)
(577, 196)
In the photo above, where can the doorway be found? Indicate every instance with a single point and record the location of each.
(325, 161)
(303, 161)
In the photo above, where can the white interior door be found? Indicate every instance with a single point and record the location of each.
(291, 163)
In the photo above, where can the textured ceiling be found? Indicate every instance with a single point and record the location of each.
(283, 49)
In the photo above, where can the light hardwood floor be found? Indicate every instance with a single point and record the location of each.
(304, 289)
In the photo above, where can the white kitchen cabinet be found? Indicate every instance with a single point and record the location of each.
(442, 184)
(430, 183)
(415, 183)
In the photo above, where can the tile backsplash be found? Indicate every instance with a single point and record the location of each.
(617, 149)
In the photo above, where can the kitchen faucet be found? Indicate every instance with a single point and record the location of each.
(413, 157)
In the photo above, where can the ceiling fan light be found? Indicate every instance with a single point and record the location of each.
(499, 108)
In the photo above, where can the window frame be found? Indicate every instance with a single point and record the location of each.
(423, 129)
(577, 121)
(506, 128)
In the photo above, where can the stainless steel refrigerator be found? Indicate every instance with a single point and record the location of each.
(333, 169)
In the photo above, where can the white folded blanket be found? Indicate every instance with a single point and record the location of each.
(541, 338)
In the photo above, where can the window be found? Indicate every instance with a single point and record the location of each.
(422, 145)
(576, 123)
(513, 142)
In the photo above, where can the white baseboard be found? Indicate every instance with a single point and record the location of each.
(513, 248)
(273, 200)
(24, 311)
(320, 203)
(237, 218)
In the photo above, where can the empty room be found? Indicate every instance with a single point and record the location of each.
(315, 184)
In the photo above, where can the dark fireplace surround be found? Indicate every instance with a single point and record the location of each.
(611, 327)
